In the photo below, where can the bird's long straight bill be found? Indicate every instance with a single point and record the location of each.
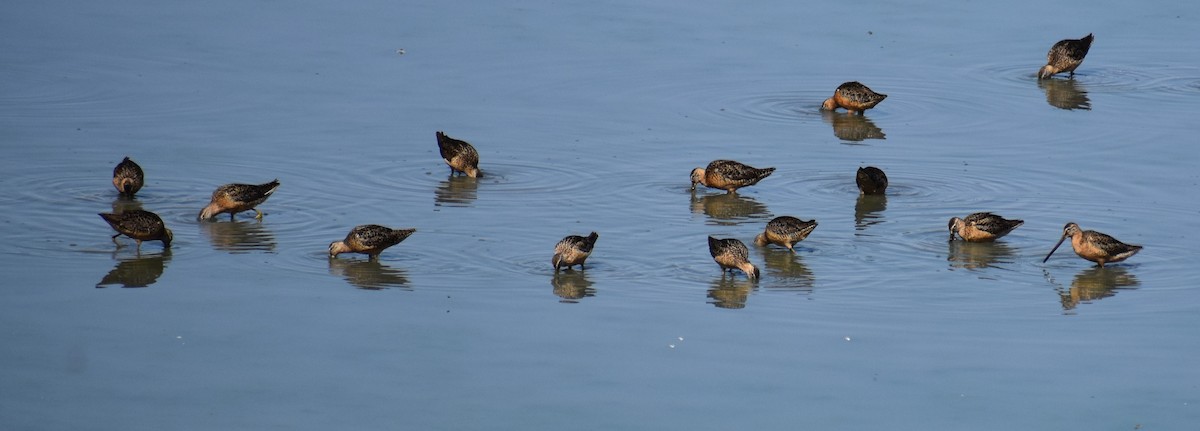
(1060, 241)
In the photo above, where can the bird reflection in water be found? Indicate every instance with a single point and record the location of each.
(140, 271)
(868, 210)
(368, 274)
(977, 255)
(728, 209)
(1096, 283)
(571, 286)
(730, 291)
(788, 269)
(852, 127)
(125, 203)
(1065, 94)
(239, 236)
(456, 191)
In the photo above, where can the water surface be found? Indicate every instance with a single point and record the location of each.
(588, 117)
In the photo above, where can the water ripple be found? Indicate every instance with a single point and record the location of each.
(507, 178)
(784, 106)
(1106, 78)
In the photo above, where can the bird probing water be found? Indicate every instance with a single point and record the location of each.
(140, 225)
(1065, 56)
(731, 254)
(854, 97)
(369, 239)
(1094, 246)
(128, 177)
(728, 175)
(573, 250)
(982, 227)
(235, 198)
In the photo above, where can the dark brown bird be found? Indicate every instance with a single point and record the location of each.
(139, 225)
(871, 180)
(128, 177)
(982, 227)
(853, 96)
(235, 198)
(1095, 246)
(728, 175)
(459, 155)
(785, 231)
(369, 239)
(573, 250)
(1065, 56)
(731, 254)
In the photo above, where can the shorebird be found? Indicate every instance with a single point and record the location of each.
(785, 231)
(731, 254)
(573, 250)
(128, 177)
(140, 225)
(369, 239)
(235, 198)
(982, 227)
(1094, 246)
(871, 180)
(459, 155)
(1065, 56)
(853, 96)
(728, 175)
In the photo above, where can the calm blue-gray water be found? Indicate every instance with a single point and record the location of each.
(588, 116)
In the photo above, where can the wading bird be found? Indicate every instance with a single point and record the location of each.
(731, 254)
(1094, 246)
(573, 250)
(1065, 56)
(128, 177)
(459, 155)
(871, 180)
(853, 96)
(369, 239)
(140, 225)
(785, 231)
(982, 227)
(235, 198)
(728, 175)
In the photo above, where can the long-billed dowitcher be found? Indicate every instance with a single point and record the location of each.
(853, 96)
(1094, 246)
(728, 175)
(369, 239)
(871, 180)
(731, 254)
(140, 225)
(785, 231)
(235, 198)
(982, 227)
(573, 250)
(128, 177)
(459, 155)
(1065, 56)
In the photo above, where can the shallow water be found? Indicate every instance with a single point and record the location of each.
(588, 117)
